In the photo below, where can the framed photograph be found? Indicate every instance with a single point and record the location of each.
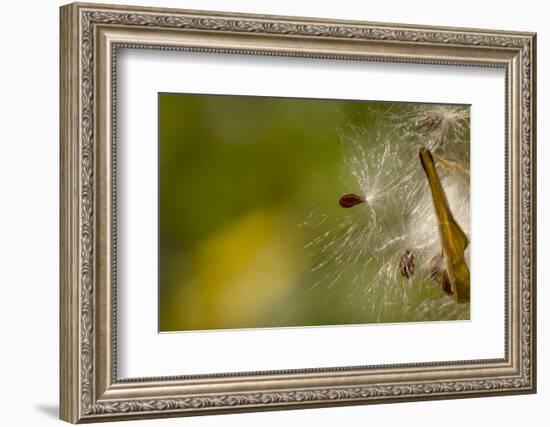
(265, 212)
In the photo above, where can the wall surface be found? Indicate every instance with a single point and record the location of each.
(29, 170)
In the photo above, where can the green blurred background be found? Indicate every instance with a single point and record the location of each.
(238, 176)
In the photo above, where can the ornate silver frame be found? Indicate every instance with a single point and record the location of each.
(90, 36)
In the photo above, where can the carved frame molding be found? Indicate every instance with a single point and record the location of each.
(90, 37)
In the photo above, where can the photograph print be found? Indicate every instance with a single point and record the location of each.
(286, 212)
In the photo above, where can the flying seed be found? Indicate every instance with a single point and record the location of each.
(446, 284)
(431, 123)
(350, 200)
(435, 267)
(407, 264)
(438, 274)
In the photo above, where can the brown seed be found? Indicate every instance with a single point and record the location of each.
(446, 284)
(350, 200)
(435, 267)
(439, 274)
(431, 123)
(407, 264)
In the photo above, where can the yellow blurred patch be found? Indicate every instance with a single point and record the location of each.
(239, 274)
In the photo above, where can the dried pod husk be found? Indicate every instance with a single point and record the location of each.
(439, 274)
(407, 264)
